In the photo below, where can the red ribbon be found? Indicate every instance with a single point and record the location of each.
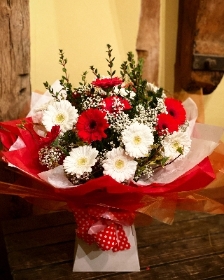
(103, 226)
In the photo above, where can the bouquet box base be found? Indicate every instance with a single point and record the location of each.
(90, 258)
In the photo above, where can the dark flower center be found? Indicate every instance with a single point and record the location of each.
(92, 124)
(172, 113)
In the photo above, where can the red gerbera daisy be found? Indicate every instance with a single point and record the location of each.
(176, 110)
(91, 125)
(115, 104)
(106, 83)
(166, 121)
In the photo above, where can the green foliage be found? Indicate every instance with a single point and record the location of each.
(66, 85)
(133, 71)
(84, 82)
(110, 61)
(95, 71)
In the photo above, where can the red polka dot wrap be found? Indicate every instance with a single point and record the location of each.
(104, 226)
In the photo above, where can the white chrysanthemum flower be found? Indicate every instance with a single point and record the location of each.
(176, 145)
(151, 87)
(80, 160)
(124, 92)
(118, 165)
(60, 113)
(137, 139)
(132, 94)
(154, 88)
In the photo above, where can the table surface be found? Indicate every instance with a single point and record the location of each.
(42, 247)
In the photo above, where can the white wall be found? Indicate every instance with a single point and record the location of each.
(83, 28)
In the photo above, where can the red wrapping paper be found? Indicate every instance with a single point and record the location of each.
(159, 201)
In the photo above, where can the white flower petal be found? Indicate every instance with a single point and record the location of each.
(60, 113)
(174, 142)
(119, 166)
(137, 139)
(80, 160)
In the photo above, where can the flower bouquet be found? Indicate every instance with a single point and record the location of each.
(115, 151)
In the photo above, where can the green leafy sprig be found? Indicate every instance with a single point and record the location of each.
(95, 72)
(67, 86)
(64, 81)
(110, 61)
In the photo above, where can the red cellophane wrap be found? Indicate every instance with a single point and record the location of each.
(102, 204)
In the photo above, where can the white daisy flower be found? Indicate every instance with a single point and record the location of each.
(137, 139)
(118, 165)
(176, 144)
(60, 113)
(80, 160)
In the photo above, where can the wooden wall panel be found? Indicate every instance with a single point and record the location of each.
(15, 86)
(200, 32)
(148, 39)
(15, 89)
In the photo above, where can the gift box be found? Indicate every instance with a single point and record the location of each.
(91, 258)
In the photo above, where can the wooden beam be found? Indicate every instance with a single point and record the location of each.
(15, 89)
(200, 32)
(147, 45)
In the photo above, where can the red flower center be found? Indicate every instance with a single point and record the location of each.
(92, 125)
(176, 110)
(166, 121)
(172, 113)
